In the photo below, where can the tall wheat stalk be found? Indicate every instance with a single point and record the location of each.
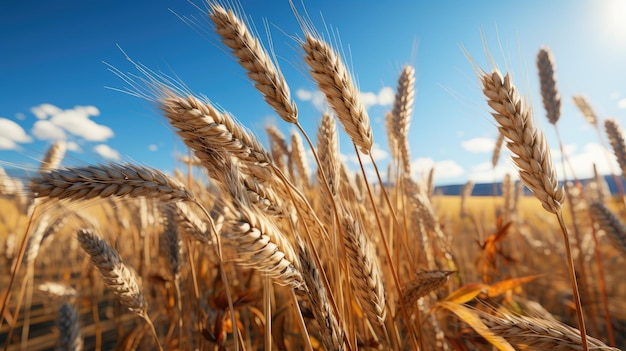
(533, 160)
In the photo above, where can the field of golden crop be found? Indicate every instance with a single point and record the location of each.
(269, 254)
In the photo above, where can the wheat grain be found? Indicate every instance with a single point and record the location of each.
(402, 112)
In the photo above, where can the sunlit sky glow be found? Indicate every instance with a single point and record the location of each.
(53, 82)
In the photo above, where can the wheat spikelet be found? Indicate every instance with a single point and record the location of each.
(616, 138)
(335, 82)
(402, 112)
(260, 68)
(367, 283)
(528, 144)
(279, 145)
(53, 156)
(422, 285)
(260, 245)
(549, 92)
(584, 107)
(190, 224)
(206, 130)
(116, 275)
(82, 183)
(70, 338)
(610, 224)
(331, 333)
(496, 150)
(539, 334)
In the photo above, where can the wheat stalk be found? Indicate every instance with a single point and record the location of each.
(331, 332)
(53, 156)
(402, 112)
(584, 107)
(259, 66)
(116, 275)
(547, 78)
(616, 138)
(423, 283)
(334, 81)
(539, 334)
(528, 144)
(82, 183)
(262, 246)
(367, 283)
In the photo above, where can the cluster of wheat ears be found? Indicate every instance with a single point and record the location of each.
(269, 255)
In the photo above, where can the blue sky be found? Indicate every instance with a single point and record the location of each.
(53, 83)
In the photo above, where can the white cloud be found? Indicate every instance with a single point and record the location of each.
(621, 103)
(75, 121)
(569, 150)
(315, 97)
(7, 144)
(384, 97)
(153, 147)
(479, 145)
(615, 95)
(11, 133)
(583, 162)
(485, 173)
(46, 130)
(44, 110)
(20, 116)
(106, 152)
(445, 169)
(72, 146)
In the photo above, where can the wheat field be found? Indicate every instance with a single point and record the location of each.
(266, 252)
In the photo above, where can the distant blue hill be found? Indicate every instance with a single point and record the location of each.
(486, 189)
